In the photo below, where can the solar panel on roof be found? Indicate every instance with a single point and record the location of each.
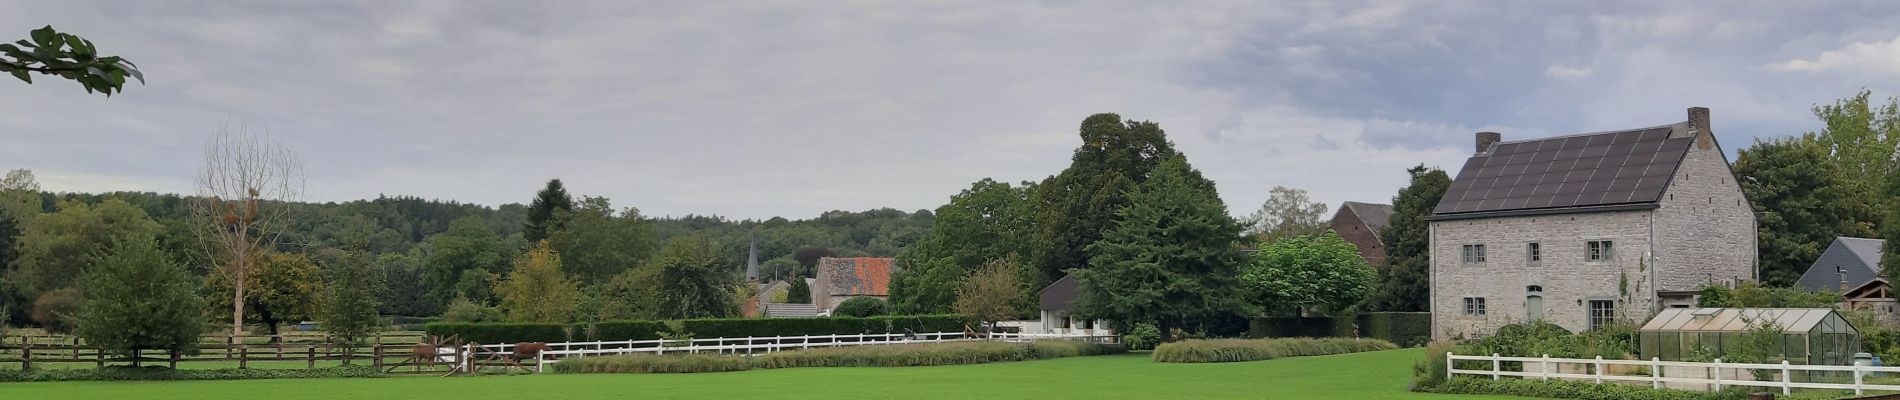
(1609, 168)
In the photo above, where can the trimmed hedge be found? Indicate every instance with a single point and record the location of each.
(1406, 329)
(896, 355)
(124, 373)
(1237, 350)
(697, 328)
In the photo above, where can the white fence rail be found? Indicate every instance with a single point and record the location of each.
(746, 345)
(1715, 374)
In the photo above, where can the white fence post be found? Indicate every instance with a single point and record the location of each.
(1786, 387)
(1599, 370)
(1545, 367)
(1856, 371)
(1718, 374)
(1655, 373)
(1495, 366)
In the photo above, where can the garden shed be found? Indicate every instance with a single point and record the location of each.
(1815, 336)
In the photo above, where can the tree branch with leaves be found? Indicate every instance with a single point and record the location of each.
(50, 52)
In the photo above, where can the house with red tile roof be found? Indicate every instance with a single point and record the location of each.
(841, 279)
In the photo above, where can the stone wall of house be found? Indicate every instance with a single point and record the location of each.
(1567, 278)
(1705, 228)
(1349, 227)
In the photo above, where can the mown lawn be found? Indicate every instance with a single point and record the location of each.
(1377, 375)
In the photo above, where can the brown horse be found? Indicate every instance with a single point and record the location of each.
(525, 351)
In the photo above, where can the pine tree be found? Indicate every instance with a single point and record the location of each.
(136, 299)
(1075, 207)
(548, 212)
(1405, 279)
(1172, 259)
(798, 292)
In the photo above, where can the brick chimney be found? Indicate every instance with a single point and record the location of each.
(1486, 139)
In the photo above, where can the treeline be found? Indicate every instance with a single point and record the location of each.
(430, 254)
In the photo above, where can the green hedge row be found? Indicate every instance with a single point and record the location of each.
(1402, 328)
(894, 355)
(697, 328)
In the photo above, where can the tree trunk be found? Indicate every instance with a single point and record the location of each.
(237, 295)
(1167, 331)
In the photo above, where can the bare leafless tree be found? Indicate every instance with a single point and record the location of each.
(243, 194)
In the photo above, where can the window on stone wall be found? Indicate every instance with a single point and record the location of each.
(1600, 250)
(1474, 253)
(1602, 312)
(1536, 252)
(1474, 306)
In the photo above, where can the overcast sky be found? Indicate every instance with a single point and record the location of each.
(759, 109)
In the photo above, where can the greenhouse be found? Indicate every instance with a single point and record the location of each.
(1814, 336)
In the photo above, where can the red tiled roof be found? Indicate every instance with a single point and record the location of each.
(861, 276)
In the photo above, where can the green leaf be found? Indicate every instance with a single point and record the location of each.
(46, 37)
(21, 73)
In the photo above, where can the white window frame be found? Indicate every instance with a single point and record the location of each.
(1534, 252)
(1608, 314)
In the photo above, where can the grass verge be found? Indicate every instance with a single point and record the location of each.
(906, 355)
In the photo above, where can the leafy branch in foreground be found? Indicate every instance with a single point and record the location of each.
(67, 56)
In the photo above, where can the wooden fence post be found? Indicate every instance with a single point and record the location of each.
(228, 342)
(1448, 366)
(1545, 367)
(244, 356)
(1495, 366)
(280, 349)
(310, 357)
(1655, 373)
(26, 357)
(1786, 387)
(1718, 374)
(100, 354)
(376, 353)
(173, 362)
(1857, 378)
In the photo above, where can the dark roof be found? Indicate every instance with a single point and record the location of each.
(1587, 172)
(1375, 216)
(861, 276)
(1858, 257)
(1059, 296)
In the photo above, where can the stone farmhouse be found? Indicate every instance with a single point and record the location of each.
(1587, 229)
(841, 279)
(1360, 224)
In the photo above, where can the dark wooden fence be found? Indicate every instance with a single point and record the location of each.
(38, 351)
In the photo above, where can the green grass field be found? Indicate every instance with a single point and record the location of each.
(1377, 375)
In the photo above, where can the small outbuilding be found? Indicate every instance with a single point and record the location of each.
(1815, 336)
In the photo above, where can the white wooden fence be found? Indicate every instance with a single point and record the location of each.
(1712, 373)
(747, 345)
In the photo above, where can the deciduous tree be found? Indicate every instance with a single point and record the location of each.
(283, 288)
(243, 194)
(1405, 280)
(348, 306)
(1073, 209)
(1171, 259)
(1308, 273)
(463, 261)
(56, 250)
(137, 299)
(1288, 212)
(691, 282)
(989, 294)
(988, 221)
(598, 243)
(536, 290)
(1802, 201)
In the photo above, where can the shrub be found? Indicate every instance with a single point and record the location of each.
(1278, 327)
(121, 373)
(1235, 350)
(463, 310)
(652, 363)
(627, 330)
(1143, 336)
(1566, 389)
(1429, 373)
(57, 311)
(861, 307)
(1533, 339)
(494, 333)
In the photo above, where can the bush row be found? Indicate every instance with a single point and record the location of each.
(1403, 328)
(697, 328)
(901, 355)
(122, 373)
(1567, 389)
(1235, 350)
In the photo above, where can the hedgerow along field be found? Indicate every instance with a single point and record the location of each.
(1373, 375)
